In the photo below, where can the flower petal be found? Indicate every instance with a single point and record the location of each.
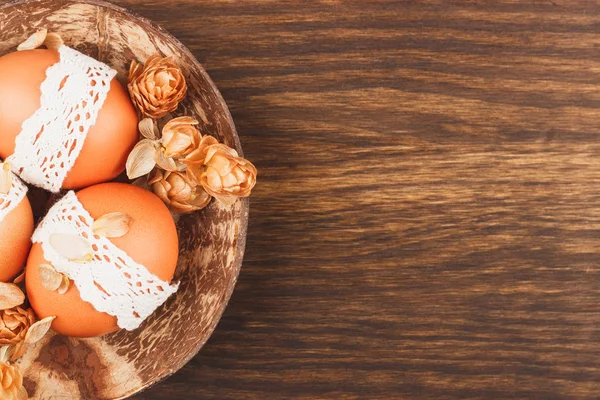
(51, 279)
(36, 332)
(177, 143)
(112, 225)
(64, 286)
(166, 163)
(34, 41)
(53, 41)
(6, 178)
(72, 247)
(148, 129)
(10, 296)
(141, 160)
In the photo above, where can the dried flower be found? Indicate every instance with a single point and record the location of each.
(197, 157)
(177, 191)
(112, 225)
(11, 382)
(64, 285)
(54, 280)
(10, 296)
(148, 129)
(224, 174)
(51, 278)
(180, 137)
(51, 40)
(157, 87)
(37, 331)
(14, 324)
(142, 158)
(34, 41)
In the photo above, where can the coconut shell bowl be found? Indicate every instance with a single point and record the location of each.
(212, 240)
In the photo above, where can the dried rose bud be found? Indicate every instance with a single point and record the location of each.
(177, 191)
(197, 157)
(225, 175)
(180, 137)
(157, 87)
(11, 382)
(14, 324)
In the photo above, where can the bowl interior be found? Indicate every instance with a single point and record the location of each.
(211, 241)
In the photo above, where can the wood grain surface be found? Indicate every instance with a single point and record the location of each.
(427, 219)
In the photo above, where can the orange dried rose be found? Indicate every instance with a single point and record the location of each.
(197, 156)
(11, 383)
(157, 87)
(180, 137)
(14, 324)
(177, 191)
(223, 173)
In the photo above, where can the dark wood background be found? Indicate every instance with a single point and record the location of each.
(427, 219)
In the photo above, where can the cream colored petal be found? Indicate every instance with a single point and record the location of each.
(141, 160)
(10, 295)
(37, 331)
(166, 163)
(72, 247)
(148, 129)
(53, 41)
(112, 225)
(51, 279)
(64, 286)
(34, 41)
(6, 177)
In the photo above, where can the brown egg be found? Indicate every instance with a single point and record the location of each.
(108, 142)
(15, 240)
(151, 241)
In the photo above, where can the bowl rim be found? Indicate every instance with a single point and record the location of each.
(245, 202)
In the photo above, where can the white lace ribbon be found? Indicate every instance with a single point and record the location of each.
(51, 139)
(11, 200)
(112, 282)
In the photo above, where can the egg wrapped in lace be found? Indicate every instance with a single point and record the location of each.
(65, 121)
(103, 259)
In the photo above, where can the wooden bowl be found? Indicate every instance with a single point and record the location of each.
(211, 241)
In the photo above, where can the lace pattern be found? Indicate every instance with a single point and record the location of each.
(11, 200)
(112, 282)
(51, 139)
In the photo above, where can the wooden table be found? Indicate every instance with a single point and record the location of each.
(427, 219)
